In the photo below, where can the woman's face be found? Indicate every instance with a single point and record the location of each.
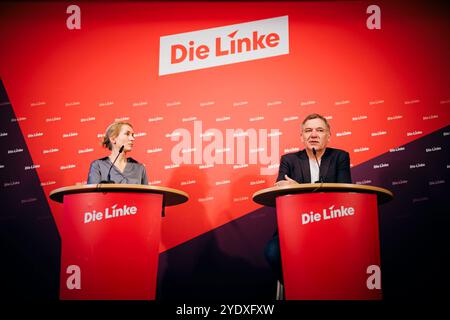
(124, 138)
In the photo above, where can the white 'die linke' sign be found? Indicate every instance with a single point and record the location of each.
(331, 213)
(109, 213)
(223, 45)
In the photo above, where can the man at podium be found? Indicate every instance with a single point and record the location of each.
(117, 167)
(303, 166)
(316, 163)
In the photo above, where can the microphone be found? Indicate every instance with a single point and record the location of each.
(109, 171)
(318, 165)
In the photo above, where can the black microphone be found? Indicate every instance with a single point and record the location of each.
(109, 171)
(318, 165)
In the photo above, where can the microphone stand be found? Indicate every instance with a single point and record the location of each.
(318, 165)
(109, 171)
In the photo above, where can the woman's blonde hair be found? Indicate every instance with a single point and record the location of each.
(113, 131)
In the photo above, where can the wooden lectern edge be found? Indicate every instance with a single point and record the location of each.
(383, 195)
(57, 195)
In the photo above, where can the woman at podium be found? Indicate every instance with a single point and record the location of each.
(118, 167)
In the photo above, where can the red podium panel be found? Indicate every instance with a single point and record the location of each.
(114, 239)
(110, 238)
(328, 240)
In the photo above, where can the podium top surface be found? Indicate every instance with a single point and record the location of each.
(267, 197)
(172, 197)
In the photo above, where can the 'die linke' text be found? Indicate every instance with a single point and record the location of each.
(112, 212)
(331, 213)
(179, 52)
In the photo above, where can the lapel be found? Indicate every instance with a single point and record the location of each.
(325, 164)
(304, 165)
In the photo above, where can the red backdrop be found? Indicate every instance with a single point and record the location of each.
(379, 89)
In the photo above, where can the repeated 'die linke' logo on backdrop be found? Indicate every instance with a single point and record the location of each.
(223, 45)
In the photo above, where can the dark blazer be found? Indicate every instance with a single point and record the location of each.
(334, 166)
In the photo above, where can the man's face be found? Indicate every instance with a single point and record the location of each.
(315, 134)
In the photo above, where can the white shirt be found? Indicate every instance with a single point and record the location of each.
(314, 170)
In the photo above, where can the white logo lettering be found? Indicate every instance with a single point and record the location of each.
(113, 212)
(331, 213)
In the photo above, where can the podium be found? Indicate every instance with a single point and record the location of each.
(329, 239)
(110, 237)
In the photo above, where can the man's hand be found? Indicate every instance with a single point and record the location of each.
(286, 182)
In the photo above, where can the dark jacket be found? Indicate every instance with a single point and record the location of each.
(334, 166)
